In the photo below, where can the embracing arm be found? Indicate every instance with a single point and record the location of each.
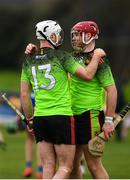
(89, 71)
(86, 73)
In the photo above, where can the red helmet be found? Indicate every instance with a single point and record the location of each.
(86, 27)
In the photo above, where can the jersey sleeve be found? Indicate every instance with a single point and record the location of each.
(70, 65)
(105, 75)
(24, 74)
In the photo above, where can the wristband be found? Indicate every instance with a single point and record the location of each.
(108, 119)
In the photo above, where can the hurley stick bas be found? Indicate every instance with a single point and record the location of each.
(14, 108)
(97, 144)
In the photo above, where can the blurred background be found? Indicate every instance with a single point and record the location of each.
(18, 19)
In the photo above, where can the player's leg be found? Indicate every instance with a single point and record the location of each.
(64, 138)
(77, 172)
(81, 138)
(95, 165)
(28, 155)
(43, 134)
(47, 155)
(65, 157)
(94, 126)
(39, 172)
(58, 130)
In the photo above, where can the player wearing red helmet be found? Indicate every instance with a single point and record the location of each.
(88, 31)
(88, 99)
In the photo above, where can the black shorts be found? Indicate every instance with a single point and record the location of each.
(87, 125)
(58, 129)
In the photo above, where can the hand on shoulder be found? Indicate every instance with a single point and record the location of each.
(31, 49)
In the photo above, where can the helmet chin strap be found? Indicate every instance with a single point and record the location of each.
(48, 39)
(86, 47)
(85, 38)
(89, 47)
(88, 41)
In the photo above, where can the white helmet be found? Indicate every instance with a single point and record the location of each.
(44, 29)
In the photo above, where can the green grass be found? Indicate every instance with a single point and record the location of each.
(9, 80)
(12, 160)
(116, 158)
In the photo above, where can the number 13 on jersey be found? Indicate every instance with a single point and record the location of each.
(46, 75)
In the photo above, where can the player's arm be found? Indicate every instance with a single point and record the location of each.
(111, 100)
(90, 70)
(84, 73)
(25, 96)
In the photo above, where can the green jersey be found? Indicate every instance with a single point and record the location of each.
(47, 73)
(89, 95)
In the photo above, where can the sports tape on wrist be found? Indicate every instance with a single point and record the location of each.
(109, 119)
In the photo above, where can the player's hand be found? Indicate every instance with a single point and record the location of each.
(108, 129)
(101, 61)
(100, 54)
(30, 125)
(31, 49)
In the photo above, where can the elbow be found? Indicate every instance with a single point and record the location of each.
(24, 96)
(88, 77)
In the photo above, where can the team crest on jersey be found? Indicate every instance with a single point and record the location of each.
(41, 57)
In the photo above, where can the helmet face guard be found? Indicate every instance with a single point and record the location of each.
(84, 28)
(45, 29)
(60, 37)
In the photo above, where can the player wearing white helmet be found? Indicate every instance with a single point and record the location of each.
(45, 30)
(88, 99)
(46, 72)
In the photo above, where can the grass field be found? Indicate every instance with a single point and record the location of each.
(116, 158)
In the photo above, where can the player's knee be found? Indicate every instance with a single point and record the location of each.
(66, 169)
(93, 166)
